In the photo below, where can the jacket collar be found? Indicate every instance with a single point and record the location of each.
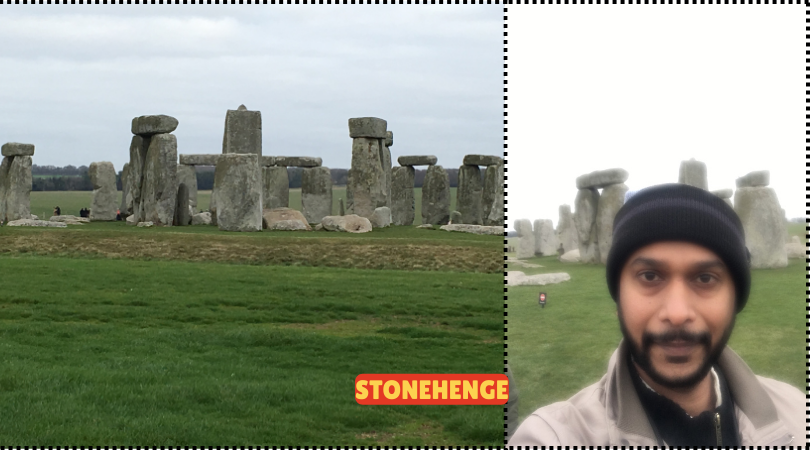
(623, 402)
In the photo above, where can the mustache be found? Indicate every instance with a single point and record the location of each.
(668, 337)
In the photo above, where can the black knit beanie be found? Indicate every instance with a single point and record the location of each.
(679, 212)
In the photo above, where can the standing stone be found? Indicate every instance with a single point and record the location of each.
(385, 158)
(102, 175)
(545, 240)
(765, 230)
(365, 190)
(468, 195)
(4, 185)
(124, 181)
(525, 239)
(381, 217)
(566, 230)
(18, 188)
(455, 218)
(187, 175)
(492, 192)
(316, 193)
(243, 132)
(137, 159)
(276, 182)
(693, 173)
(402, 199)
(586, 205)
(238, 194)
(436, 196)
(182, 213)
(342, 210)
(158, 197)
(610, 201)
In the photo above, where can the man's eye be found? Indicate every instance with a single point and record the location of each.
(705, 278)
(649, 276)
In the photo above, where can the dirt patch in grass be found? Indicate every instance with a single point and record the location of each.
(348, 253)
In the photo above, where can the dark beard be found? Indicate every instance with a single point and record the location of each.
(641, 356)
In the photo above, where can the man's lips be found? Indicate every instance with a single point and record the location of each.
(678, 348)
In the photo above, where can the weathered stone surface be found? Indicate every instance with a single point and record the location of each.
(468, 194)
(199, 160)
(367, 127)
(159, 196)
(402, 198)
(238, 181)
(426, 226)
(474, 229)
(517, 278)
(17, 149)
(381, 217)
(389, 139)
(276, 182)
(525, 247)
(146, 224)
(455, 217)
(182, 210)
(693, 173)
(105, 193)
(365, 190)
(188, 175)
(271, 216)
(586, 204)
(754, 179)
(351, 223)
(795, 248)
(297, 161)
(18, 188)
(436, 196)
(35, 223)
(151, 125)
(492, 196)
(385, 159)
(570, 256)
(138, 148)
(4, 182)
(203, 218)
(482, 160)
(243, 132)
(602, 178)
(124, 188)
(67, 218)
(765, 230)
(545, 240)
(566, 231)
(427, 160)
(316, 193)
(723, 193)
(132, 220)
(610, 201)
(289, 225)
(341, 208)
(267, 161)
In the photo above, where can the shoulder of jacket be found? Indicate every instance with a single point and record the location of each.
(781, 390)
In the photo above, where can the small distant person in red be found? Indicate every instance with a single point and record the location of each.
(118, 214)
(542, 300)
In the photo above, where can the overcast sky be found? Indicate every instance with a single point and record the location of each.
(73, 77)
(644, 87)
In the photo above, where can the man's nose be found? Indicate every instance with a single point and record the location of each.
(676, 306)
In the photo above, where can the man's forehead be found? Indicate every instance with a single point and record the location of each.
(674, 252)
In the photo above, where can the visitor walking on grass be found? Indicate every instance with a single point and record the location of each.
(678, 270)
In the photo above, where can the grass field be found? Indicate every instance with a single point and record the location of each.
(43, 202)
(556, 351)
(120, 335)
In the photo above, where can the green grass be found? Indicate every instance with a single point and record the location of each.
(556, 351)
(43, 202)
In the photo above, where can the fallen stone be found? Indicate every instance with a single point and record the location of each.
(203, 218)
(417, 160)
(17, 149)
(18, 188)
(525, 247)
(146, 224)
(199, 160)
(611, 200)
(381, 217)
(602, 178)
(754, 179)
(436, 196)
(517, 278)
(367, 127)
(693, 173)
(132, 220)
(492, 196)
(796, 249)
(402, 197)
(545, 240)
(765, 231)
(243, 133)
(67, 218)
(276, 182)
(103, 205)
(365, 189)
(723, 193)
(35, 223)
(474, 229)
(238, 194)
(351, 223)
(271, 216)
(187, 175)
(159, 196)
(566, 231)
(389, 139)
(289, 225)
(151, 125)
(318, 227)
(316, 193)
(296, 161)
(570, 256)
(468, 194)
(426, 226)
(482, 160)
(586, 204)
(522, 263)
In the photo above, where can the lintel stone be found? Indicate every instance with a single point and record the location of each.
(149, 125)
(368, 127)
(199, 160)
(17, 149)
(482, 160)
(428, 160)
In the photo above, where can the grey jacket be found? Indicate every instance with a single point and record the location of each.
(609, 412)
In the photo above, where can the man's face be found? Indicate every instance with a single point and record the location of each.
(676, 310)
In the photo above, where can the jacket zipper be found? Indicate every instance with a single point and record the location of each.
(717, 429)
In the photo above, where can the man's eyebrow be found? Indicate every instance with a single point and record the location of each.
(647, 262)
(712, 264)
